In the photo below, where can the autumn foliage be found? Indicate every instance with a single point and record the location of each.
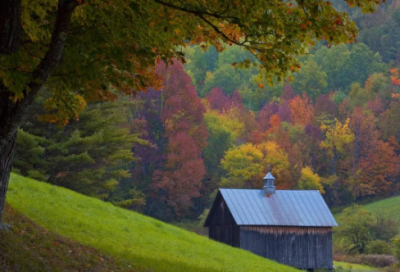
(194, 143)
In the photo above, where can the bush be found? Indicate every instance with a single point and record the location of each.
(396, 244)
(378, 260)
(391, 269)
(385, 228)
(379, 247)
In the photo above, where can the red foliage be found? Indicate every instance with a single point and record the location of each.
(183, 110)
(217, 100)
(265, 114)
(376, 106)
(180, 181)
(375, 164)
(324, 104)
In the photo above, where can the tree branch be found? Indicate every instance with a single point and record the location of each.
(14, 113)
(196, 12)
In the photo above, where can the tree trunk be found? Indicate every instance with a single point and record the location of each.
(10, 26)
(13, 113)
(334, 162)
(10, 38)
(6, 155)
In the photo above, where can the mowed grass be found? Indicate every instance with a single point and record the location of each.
(130, 238)
(389, 207)
(26, 246)
(352, 266)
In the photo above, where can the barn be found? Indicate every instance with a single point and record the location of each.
(292, 227)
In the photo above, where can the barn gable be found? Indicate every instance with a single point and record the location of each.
(224, 228)
(300, 208)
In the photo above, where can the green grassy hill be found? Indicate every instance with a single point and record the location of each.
(26, 246)
(389, 206)
(131, 239)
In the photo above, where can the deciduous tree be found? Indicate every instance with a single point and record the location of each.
(337, 136)
(245, 166)
(301, 110)
(355, 231)
(310, 180)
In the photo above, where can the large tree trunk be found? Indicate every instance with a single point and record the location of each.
(13, 113)
(10, 26)
(6, 156)
(10, 37)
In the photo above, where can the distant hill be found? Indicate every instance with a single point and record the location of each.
(134, 241)
(389, 206)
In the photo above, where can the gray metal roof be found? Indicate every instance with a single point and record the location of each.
(305, 208)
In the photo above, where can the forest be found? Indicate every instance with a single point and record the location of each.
(331, 125)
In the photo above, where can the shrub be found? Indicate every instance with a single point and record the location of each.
(385, 228)
(391, 269)
(396, 244)
(379, 247)
(378, 260)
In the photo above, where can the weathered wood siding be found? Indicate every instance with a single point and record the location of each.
(301, 247)
(222, 227)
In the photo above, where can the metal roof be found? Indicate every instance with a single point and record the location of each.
(303, 208)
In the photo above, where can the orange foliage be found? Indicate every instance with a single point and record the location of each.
(301, 110)
(274, 122)
(395, 78)
(378, 170)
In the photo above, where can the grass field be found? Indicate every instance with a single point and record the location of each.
(354, 266)
(389, 206)
(26, 246)
(131, 239)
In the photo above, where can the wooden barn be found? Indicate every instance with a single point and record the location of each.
(292, 227)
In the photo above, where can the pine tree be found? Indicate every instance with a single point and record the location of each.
(89, 155)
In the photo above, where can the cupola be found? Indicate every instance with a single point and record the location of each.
(269, 188)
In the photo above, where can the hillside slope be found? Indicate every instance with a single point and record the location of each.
(389, 206)
(143, 243)
(26, 246)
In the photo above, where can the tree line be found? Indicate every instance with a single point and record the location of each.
(165, 153)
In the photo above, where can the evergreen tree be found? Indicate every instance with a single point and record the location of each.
(89, 155)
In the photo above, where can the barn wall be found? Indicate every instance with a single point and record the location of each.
(222, 227)
(301, 247)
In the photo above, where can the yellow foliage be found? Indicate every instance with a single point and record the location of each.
(275, 156)
(247, 164)
(310, 180)
(244, 162)
(337, 135)
(227, 121)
